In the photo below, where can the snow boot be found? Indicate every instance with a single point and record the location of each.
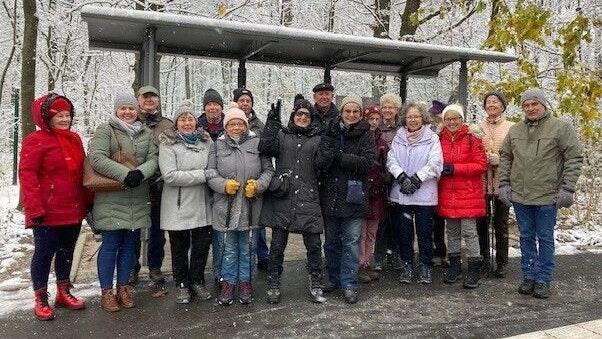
(41, 308)
(454, 270)
(64, 298)
(124, 296)
(315, 288)
(273, 292)
(474, 273)
(108, 300)
(245, 292)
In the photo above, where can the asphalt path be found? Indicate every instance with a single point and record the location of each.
(385, 309)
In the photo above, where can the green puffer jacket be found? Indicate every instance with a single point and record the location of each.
(130, 208)
(538, 158)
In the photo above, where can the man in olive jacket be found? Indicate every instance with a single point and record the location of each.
(540, 162)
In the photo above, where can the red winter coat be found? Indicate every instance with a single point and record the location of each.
(46, 188)
(462, 195)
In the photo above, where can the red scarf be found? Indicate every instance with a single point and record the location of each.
(73, 151)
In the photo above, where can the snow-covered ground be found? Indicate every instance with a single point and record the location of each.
(16, 246)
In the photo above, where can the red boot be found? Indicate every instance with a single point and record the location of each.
(41, 308)
(64, 298)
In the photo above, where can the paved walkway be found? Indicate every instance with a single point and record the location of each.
(586, 330)
(385, 309)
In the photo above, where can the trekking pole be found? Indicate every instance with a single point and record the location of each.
(223, 249)
(492, 230)
(251, 239)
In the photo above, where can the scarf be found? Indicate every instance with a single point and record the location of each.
(73, 152)
(493, 121)
(130, 129)
(150, 119)
(190, 138)
(414, 137)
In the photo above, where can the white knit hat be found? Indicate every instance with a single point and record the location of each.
(454, 108)
(233, 112)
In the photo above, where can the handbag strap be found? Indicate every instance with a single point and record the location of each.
(116, 138)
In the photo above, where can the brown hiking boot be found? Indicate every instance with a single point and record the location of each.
(108, 300)
(363, 276)
(124, 296)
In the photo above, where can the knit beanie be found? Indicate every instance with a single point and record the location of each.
(233, 112)
(211, 95)
(497, 94)
(124, 98)
(372, 109)
(535, 94)
(185, 106)
(454, 108)
(237, 93)
(302, 103)
(352, 99)
(437, 107)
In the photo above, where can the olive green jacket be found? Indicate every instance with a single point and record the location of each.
(130, 208)
(538, 158)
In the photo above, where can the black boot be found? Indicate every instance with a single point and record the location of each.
(273, 292)
(454, 270)
(315, 288)
(473, 275)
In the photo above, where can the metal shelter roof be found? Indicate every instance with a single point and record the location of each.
(125, 30)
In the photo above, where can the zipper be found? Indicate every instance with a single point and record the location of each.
(179, 196)
(537, 149)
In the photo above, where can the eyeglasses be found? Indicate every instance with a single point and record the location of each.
(454, 119)
(236, 124)
(414, 117)
(302, 113)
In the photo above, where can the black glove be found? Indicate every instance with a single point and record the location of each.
(298, 97)
(274, 113)
(448, 169)
(134, 178)
(416, 182)
(405, 184)
(38, 220)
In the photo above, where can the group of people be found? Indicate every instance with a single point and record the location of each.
(370, 177)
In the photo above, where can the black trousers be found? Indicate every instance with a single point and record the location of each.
(500, 226)
(386, 236)
(49, 242)
(313, 246)
(439, 236)
(190, 271)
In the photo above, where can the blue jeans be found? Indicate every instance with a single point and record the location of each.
(57, 242)
(342, 250)
(239, 252)
(405, 217)
(118, 249)
(536, 226)
(263, 253)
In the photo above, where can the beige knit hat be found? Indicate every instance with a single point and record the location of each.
(233, 112)
(352, 99)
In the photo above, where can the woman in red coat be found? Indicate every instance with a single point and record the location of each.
(54, 200)
(461, 192)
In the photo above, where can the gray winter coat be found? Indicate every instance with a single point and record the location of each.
(239, 161)
(186, 199)
(130, 208)
(300, 156)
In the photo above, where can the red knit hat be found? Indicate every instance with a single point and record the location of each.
(372, 109)
(60, 104)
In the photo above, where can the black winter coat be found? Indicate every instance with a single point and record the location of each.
(355, 153)
(300, 154)
(320, 122)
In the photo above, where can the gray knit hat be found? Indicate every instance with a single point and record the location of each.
(212, 95)
(185, 106)
(497, 94)
(535, 94)
(124, 97)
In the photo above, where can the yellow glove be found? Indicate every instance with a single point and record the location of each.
(251, 188)
(232, 186)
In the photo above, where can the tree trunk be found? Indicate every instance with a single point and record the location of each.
(187, 78)
(51, 50)
(408, 27)
(28, 65)
(380, 29)
(11, 54)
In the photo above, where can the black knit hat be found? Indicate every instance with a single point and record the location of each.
(237, 93)
(302, 103)
(499, 95)
(211, 95)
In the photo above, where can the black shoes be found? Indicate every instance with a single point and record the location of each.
(454, 270)
(405, 277)
(541, 290)
(474, 274)
(500, 271)
(350, 296)
(526, 287)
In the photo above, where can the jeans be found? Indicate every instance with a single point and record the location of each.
(367, 242)
(458, 229)
(156, 242)
(342, 249)
(439, 236)
(49, 242)
(422, 216)
(189, 271)
(117, 250)
(500, 226)
(239, 252)
(536, 226)
(263, 253)
(313, 247)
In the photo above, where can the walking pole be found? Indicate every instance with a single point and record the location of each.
(251, 239)
(223, 249)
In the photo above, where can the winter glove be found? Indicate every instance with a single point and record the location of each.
(251, 188)
(448, 169)
(416, 182)
(504, 195)
(298, 96)
(38, 220)
(405, 183)
(232, 186)
(275, 111)
(493, 159)
(565, 198)
(134, 178)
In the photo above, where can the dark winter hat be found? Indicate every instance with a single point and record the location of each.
(148, 89)
(302, 103)
(237, 93)
(437, 107)
(323, 87)
(497, 94)
(372, 109)
(211, 95)
(535, 94)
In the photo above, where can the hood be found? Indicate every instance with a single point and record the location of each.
(294, 129)
(39, 110)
